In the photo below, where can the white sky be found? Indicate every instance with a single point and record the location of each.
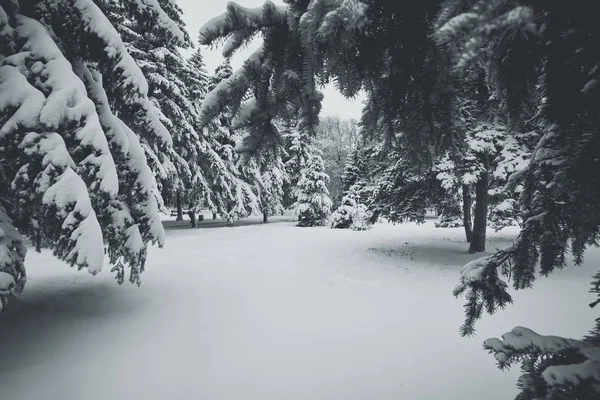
(198, 12)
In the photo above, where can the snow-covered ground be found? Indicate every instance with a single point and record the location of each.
(273, 311)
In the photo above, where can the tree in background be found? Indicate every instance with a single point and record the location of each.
(234, 169)
(198, 80)
(272, 184)
(335, 139)
(352, 212)
(313, 204)
(299, 150)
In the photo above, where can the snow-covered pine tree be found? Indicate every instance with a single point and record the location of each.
(352, 213)
(246, 178)
(451, 213)
(74, 113)
(354, 169)
(172, 80)
(235, 183)
(299, 151)
(273, 181)
(313, 205)
(401, 194)
(545, 53)
(493, 151)
(222, 72)
(197, 81)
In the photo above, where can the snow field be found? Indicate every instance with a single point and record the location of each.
(275, 312)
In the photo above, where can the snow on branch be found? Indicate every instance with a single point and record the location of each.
(470, 31)
(48, 100)
(165, 22)
(324, 18)
(348, 15)
(12, 255)
(24, 99)
(229, 90)
(66, 199)
(483, 289)
(244, 114)
(237, 18)
(134, 222)
(237, 40)
(123, 68)
(456, 26)
(67, 103)
(97, 24)
(566, 362)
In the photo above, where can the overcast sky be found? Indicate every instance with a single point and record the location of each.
(198, 12)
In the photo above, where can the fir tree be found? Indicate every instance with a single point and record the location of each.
(352, 213)
(234, 188)
(197, 80)
(560, 195)
(272, 184)
(300, 150)
(175, 89)
(313, 205)
(354, 169)
(75, 116)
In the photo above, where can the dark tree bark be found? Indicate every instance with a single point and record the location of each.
(192, 216)
(467, 202)
(265, 217)
(179, 209)
(481, 209)
(214, 215)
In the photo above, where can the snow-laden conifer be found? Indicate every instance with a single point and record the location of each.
(75, 115)
(313, 205)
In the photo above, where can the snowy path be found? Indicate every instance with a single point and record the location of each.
(269, 313)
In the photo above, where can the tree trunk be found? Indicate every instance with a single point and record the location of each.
(192, 216)
(214, 215)
(481, 208)
(265, 217)
(467, 203)
(179, 209)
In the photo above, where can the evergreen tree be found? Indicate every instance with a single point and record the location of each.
(300, 150)
(272, 184)
(355, 208)
(450, 212)
(175, 87)
(222, 72)
(559, 195)
(313, 204)
(234, 189)
(197, 79)
(75, 119)
(352, 213)
(354, 169)
(245, 200)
